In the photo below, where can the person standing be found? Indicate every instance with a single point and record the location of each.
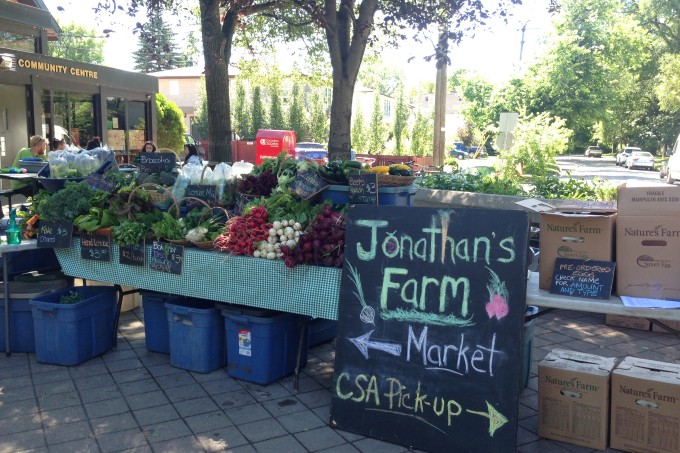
(192, 156)
(58, 145)
(36, 149)
(149, 147)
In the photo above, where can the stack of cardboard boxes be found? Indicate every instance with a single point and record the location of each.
(585, 399)
(642, 237)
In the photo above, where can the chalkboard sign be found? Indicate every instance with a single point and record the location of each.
(431, 311)
(95, 247)
(98, 181)
(156, 162)
(134, 255)
(307, 184)
(55, 234)
(363, 189)
(205, 192)
(167, 257)
(583, 278)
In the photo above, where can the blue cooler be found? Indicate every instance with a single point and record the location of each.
(262, 346)
(69, 334)
(196, 335)
(156, 330)
(21, 331)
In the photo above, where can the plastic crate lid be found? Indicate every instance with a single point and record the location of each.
(28, 290)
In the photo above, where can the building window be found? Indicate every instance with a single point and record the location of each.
(174, 87)
(387, 108)
(70, 116)
(17, 41)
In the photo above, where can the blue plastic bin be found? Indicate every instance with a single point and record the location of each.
(21, 330)
(321, 331)
(263, 349)
(527, 338)
(387, 196)
(156, 330)
(69, 334)
(196, 335)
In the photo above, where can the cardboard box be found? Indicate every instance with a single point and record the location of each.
(573, 398)
(645, 410)
(577, 236)
(630, 322)
(648, 242)
(672, 324)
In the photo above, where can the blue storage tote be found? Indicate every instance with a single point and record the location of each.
(196, 335)
(263, 349)
(156, 330)
(69, 334)
(387, 196)
(321, 331)
(21, 331)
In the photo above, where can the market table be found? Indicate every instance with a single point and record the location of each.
(614, 305)
(5, 250)
(305, 290)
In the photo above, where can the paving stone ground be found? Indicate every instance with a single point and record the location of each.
(133, 400)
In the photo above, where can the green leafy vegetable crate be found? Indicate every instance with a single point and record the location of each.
(69, 334)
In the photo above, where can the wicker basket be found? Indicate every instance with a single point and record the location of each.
(205, 245)
(160, 196)
(210, 245)
(334, 183)
(394, 180)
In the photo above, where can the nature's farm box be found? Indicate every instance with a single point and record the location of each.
(645, 406)
(648, 242)
(629, 322)
(576, 236)
(573, 398)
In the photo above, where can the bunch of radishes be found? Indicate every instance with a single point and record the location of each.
(244, 232)
(322, 245)
(282, 233)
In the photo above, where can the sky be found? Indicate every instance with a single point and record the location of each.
(494, 51)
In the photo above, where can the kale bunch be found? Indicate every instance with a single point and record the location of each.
(76, 198)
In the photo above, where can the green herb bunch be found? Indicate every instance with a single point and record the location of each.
(129, 233)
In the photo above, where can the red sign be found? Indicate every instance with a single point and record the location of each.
(269, 143)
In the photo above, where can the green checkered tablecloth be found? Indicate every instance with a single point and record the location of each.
(306, 290)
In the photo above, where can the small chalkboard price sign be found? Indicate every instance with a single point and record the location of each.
(429, 347)
(205, 192)
(95, 247)
(156, 162)
(363, 189)
(307, 184)
(167, 257)
(583, 278)
(55, 234)
(133, 255)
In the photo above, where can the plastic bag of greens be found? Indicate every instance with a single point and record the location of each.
(59, 167)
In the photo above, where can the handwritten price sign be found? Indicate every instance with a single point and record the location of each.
(55, 234)
(167, 257)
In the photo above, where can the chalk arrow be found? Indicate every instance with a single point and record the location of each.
(496, 419)
(363, 343)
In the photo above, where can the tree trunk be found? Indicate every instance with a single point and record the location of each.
(346, 36)
(216, 51)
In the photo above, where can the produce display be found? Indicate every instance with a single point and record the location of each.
(274, 222)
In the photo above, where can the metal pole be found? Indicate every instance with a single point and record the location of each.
(439, 136)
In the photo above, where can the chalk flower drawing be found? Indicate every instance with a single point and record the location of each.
(498, 296)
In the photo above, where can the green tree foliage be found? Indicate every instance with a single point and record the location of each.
(376, 132)
(296, 114)
(78, 43)
(359, 132)
(258, 112)
(156, 49)
(401, 116)
(538, 139)
(318, 120)
(276, 120)
(421, 136)
(241, 112)
(170, 124)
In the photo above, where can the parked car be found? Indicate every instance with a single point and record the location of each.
(593, 151)
(640, 159)
(311, 150)
(623, 155)
(459, 154)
